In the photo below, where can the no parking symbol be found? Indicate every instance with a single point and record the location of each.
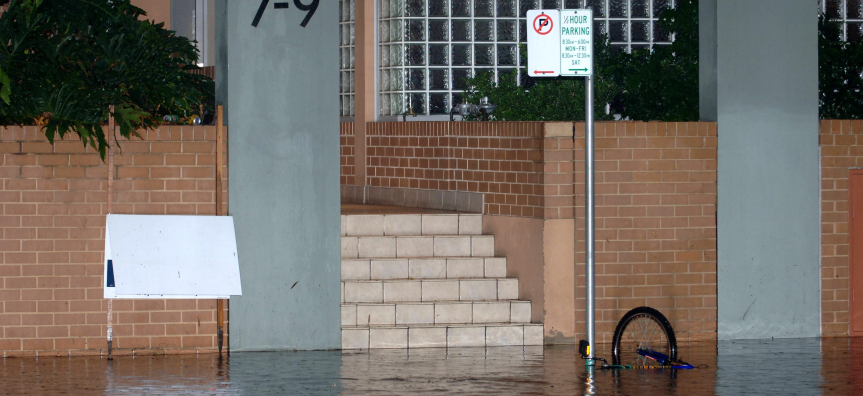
(543, 24)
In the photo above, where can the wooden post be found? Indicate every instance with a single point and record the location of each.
(220, 162)
(110, 155)
(220, 159)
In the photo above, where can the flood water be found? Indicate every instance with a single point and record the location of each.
(762, 367)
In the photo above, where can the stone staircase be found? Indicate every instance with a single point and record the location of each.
(428, 280)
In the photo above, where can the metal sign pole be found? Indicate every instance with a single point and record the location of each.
(589, 216)
(560, 43)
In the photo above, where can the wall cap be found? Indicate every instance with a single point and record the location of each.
(557, 129)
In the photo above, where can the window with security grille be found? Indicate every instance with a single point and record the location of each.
(346, 57)
(848, 13)
(427, 48)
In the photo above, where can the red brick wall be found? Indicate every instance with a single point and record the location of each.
(841, 150)
(346, 153)
(655, 196)
(655, 224)
(53, 201)
(557, 178)
(501, 159)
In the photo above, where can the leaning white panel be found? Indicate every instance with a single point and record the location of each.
(171, 257)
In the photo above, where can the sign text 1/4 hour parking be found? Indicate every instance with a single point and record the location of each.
(576, 42)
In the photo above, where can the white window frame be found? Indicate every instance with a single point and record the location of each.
(843, 16)
(347, 96)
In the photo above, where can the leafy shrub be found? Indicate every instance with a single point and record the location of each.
(64, 63)
(840, 64)
(547, 99)
(661, 84)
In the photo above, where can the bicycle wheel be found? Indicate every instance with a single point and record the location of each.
(642, 328)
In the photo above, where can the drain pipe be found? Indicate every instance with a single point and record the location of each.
(110, 154)
(220, 146)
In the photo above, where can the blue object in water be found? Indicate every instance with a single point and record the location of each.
(664, 360)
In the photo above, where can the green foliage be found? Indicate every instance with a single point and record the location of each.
(66, 62)
(840, 65)
(662, 84)
(551, 99)
(646, 85)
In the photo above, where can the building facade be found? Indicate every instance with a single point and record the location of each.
(723, 226)
(426, 48)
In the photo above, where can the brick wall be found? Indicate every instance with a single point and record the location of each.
(841, 150)
(346, 153)
(556, 181)
(655, 196)
(501, 159)
(53, 201)
(655, 224)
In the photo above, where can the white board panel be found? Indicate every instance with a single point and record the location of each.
(576, 45)
(543, 43)
(171, 257)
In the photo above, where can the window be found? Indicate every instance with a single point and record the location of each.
(629, 24)
(346, 57)
(195, 20)
(848, 13)
(426, 48)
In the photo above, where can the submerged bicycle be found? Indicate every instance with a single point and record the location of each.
(643, 339)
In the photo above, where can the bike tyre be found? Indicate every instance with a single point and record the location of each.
(658, 317)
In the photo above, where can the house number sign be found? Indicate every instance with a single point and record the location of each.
(308, 8)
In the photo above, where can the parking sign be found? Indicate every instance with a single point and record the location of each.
(543, 43)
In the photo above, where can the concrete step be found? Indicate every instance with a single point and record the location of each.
(424, 268)
(417, 246)
(453, 312)
(428, 280)
(449, 336)
(429, 290)
(412, 224)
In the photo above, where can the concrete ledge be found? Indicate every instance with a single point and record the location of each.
(460, 201)
(557, 129)
(104, 352)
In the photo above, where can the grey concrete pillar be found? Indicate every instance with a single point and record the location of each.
(768, 168)
(707, 60)
(284, 172)
(221, 48)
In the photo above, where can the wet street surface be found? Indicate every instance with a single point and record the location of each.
(755, 367)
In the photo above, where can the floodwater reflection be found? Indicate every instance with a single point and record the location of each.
(787, 367)
(751, 367)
